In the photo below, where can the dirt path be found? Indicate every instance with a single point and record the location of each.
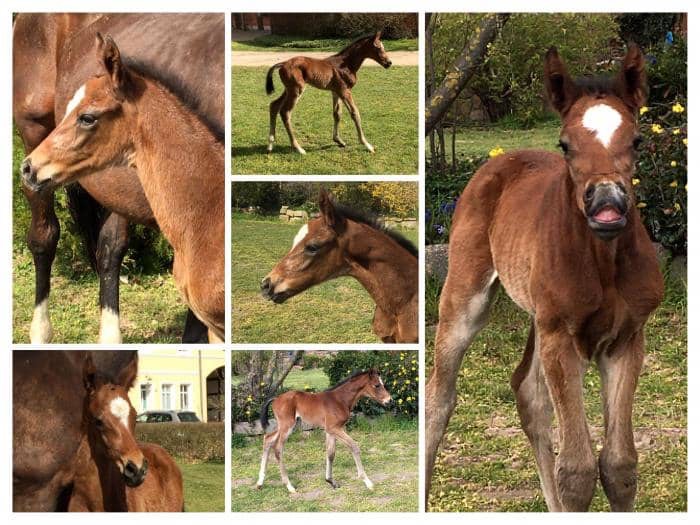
(267, 58)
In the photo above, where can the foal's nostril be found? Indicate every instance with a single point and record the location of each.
(588, 194)
(265, 284)
(131, 470)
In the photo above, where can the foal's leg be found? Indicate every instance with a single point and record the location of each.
(535, 410)
(269, 441)
(337, 108)
(293, 94)
(575, 468)
(283, 434)
(355, 450)
(275, 106)
(355, 114)
(330, 456)
(619, 373)
(112, 244)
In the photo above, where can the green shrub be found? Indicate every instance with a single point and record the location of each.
(646, 29)
(313, 360)
(667, 71)
(190, 441)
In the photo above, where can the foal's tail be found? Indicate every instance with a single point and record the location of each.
(269, 86)
(263, 414)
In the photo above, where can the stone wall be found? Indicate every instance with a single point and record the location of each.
(287, 214)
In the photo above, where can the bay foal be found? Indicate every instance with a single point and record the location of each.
(337, 73)
(344, 242)
(329, 410)
(565, 239)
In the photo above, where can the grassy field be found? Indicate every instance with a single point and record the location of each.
(204, 486)
(314, 378)
(301, 44)
(388, 104)
(486, 463)
(151, 307)
(389, 449)
(338, 311)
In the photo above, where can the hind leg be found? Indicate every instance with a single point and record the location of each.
(293, 94)
(330, 456)
(275, 106)
(337, 108)
(269, 441)
(112, 244)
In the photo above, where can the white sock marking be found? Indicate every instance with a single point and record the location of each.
(300, 235)
(603, 121)
(73, 103)
(368, 483)
(109, 327)
(41, 331)
(120, 409)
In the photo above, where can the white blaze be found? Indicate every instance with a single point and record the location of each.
(120, 409)
(300, 235)
(603, 121)
(73, 103)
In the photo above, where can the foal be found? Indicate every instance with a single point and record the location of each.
(125, 118)
(343, 242)
(113, 471)
(329, 410)
(564, 237)
(337, 73)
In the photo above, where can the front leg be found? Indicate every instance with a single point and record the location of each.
(337, 108)
(355, 450)
(355, 114)
(112, 244)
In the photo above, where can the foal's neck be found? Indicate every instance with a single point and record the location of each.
(350, 392)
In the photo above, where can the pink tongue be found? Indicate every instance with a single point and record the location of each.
(607, 214)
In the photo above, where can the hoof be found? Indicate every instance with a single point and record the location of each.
(339, 142)
(301, 150)
(332, 483)
(370, 148)
(291, 489)
(369, 484)
(258, 487)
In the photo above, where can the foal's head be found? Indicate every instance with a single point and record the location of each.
(317, 255)
(599, 137)
(375, 389)
(111, 420)
(94, 132)
(373, 48)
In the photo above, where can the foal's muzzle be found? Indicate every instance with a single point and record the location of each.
(267, 290)
(606, 205)
(29, 176)
(134, 476)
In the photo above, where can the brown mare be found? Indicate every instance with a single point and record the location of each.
(113, 472)
(125, 117)
(337, 73)
(344, 242)
(563, 236)
(47, 422)
(48, 68)
(329, 410)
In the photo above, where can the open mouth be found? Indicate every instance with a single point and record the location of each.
(607, 221)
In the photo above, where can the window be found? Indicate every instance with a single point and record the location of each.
(184, 397)
(145, 396)
(166, 398)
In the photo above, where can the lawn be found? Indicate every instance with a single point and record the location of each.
(388, 104)
(301, 44)
(338, 311)
(151, 307)
(486, 463)
(313, 378)
(204, 486)
(389, 454)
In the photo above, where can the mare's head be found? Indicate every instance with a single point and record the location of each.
(373, 48)
(374, 387)
(317, 255)
(95, 131)
(111, 420)
(599, 137)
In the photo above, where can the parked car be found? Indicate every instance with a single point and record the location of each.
(167, 416)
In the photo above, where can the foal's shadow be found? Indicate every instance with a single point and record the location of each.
(280, 149)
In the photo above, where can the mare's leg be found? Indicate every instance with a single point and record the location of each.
(195, 330)
(619, 372)
(275, 106)
(355, 114)
(269, 441)
(215, 338)
(284, 430)
(330, 456)
(337, 108)
(355, 450)
(112, 244)
(535, 410)
(293, 94)
(575, 467)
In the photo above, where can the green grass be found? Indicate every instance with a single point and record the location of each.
(486, 464)
(389, 454)
(301, 44)
(314, 378)
(204, 486)
(151, 307)
(338, 311)
(387, 101)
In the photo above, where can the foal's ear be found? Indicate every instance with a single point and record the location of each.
(127, 375)
(109, 58)
(89, 374)
(377, 36)
(561, 90)
(329, 214)
(632, 80)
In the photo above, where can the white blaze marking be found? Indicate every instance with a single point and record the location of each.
(109, 327)
(120, 409)
(77, 98)
(41, 331)
(603, 121)
(300, 235)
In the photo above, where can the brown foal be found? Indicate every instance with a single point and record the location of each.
(114, 472)
(343, 242)
(337, 73)
(329, 410)
(125, 118)
(565, 239)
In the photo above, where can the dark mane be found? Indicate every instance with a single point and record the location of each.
(353, 43)
(177, 87)
(374, 222)
(349, 378)
(596, 85)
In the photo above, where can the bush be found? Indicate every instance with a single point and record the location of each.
(313, 360)
(667, 71)
(393, 25)
(646, 29)
(189, 441)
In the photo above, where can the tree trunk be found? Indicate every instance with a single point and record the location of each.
(430, 21)
(282, 372)
(463, 69)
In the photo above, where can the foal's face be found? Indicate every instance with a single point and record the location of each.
(375, 389)
(376, 51)
(94, 133)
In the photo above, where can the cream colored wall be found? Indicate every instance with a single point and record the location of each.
(176, 367)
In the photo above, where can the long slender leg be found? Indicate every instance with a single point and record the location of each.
(283, 435)
(275, 106)
(575, 468)
(269, 441)
(619, 373)
(330, 456)
(535, 410)
(112, 244)
(355, 450)
(337, 109)
(293, 94)
(355, 114)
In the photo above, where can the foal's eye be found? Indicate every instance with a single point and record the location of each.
(377, 386)
(86, 120)
(637, 142)
(564, 146)
(98, 422)
(312, 249)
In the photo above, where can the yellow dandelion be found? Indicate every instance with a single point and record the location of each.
(674, 184)
(643, 110)
(677, 108)
(635, 182)
(657, 129)
(495, 152)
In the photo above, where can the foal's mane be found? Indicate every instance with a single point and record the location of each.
(354, 43)
(598, 86)
(177, 86)
(375, 223)
(346, 380)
